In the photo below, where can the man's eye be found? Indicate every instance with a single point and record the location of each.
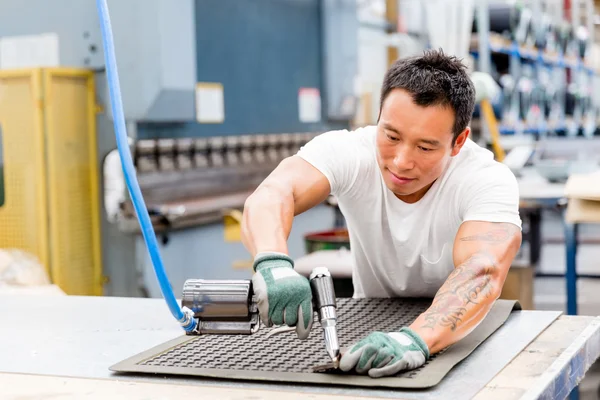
(425, 148)
(392, 138)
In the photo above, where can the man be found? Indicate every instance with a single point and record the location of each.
(429, 213)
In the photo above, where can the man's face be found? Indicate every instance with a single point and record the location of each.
(414, 144)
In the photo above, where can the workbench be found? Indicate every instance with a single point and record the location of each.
(64, 345)
(536, 193)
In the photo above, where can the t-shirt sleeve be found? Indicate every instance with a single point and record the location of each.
(491, 195)
(337, 155)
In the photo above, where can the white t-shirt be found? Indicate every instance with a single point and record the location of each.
(401, 249)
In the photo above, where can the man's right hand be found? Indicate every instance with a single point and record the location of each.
(284, 296)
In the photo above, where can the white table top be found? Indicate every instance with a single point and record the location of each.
(82, 337)
(533, 186)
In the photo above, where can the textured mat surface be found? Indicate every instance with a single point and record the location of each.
(284, 358)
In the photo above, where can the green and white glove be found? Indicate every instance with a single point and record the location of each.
(384, 354)
(284, 296)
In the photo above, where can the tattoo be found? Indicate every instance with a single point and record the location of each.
(473, 280)
(469, 283)
(444, 312)
(499, 234)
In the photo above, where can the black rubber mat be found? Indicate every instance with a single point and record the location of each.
(283, 357)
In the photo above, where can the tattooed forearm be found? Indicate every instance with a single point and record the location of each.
(482, 254)
(471, 280)
(500, 234)
(469, 283)
(444, 317)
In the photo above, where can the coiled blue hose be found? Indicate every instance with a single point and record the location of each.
(185, 319)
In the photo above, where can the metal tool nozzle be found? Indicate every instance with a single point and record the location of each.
(325, 302)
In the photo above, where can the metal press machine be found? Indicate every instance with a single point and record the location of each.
(215, 94)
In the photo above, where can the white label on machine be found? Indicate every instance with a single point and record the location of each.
(309, 105)
(210, 107)
(29, 51)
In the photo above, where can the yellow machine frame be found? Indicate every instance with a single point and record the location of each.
(51, 209)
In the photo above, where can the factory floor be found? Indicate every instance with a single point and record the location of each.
(550, 293)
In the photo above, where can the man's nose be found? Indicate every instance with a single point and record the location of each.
(403, 159)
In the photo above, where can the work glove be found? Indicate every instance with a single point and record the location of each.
(384, 354)
(284, 296)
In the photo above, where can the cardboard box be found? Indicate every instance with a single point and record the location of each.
(583, 191)
(519, 286)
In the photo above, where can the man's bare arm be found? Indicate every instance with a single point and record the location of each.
(292, 188)
(483, 253)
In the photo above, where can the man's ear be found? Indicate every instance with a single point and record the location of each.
(460, 141)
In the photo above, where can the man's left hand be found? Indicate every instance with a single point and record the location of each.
(384, 354)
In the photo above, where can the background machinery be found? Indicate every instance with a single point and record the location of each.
(216, 93)
(207, 121)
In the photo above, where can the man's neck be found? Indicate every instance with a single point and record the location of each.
(415, 197)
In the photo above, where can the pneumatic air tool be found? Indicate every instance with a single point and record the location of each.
(208, 307)
(229, 307)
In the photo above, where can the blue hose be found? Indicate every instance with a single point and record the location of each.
(185, 319)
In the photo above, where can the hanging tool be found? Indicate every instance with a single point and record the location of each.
(230, 307)
(492, 123)
(487, 89)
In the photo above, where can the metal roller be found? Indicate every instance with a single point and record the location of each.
(217, 298)
(221, 306)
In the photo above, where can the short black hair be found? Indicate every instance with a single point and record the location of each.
(434, 79)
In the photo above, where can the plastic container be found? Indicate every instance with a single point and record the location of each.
(327, 240)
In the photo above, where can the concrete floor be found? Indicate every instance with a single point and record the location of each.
(550, 293)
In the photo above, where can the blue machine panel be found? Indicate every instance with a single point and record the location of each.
(263, 52)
